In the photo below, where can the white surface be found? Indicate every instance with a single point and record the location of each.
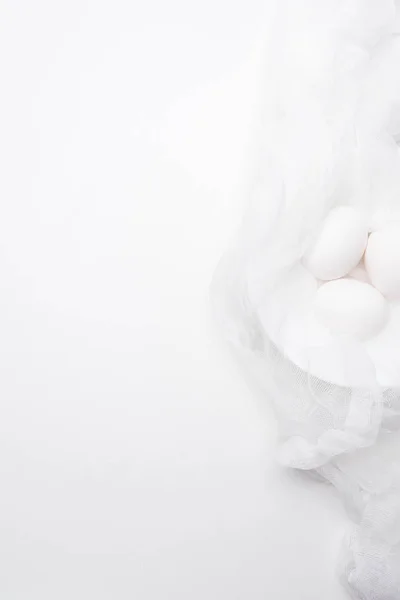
(134, 462)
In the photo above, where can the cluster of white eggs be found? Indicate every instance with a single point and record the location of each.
(358, 265)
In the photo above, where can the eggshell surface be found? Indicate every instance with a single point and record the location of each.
(360, 273)
(339, 245)
(351, 307)
(382, 261)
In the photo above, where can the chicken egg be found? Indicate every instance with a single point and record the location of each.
(382, 261)
(339, 245)
(351, 307)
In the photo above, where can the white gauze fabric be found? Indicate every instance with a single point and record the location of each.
(328, 136)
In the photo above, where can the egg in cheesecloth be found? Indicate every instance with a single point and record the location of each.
(382, 261)
(339, 245)
(351, 307)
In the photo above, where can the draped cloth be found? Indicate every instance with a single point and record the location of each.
(327, 135)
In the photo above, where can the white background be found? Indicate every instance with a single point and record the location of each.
(135, 463)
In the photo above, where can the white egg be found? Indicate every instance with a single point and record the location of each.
(340, 244)
(382, 261)
(360, 273)
(351, 307)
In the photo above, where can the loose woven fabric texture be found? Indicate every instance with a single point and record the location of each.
(327, 138)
